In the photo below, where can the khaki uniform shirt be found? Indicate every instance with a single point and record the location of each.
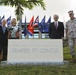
(71, 27)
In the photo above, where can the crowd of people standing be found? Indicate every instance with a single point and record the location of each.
(56, 31)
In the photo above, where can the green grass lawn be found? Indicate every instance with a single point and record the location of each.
(66, 69)
(67, 55)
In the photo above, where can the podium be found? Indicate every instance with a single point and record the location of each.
(35, 51)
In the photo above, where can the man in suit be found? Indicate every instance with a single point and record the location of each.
(56, 29)
(3, 39)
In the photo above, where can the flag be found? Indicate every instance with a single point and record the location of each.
(46, 27)
(1, 19)
(25, 28)
(36, 23)
(31, 27)
(9, 21)
(41, 25)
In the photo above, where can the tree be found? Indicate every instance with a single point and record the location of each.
(21, 4)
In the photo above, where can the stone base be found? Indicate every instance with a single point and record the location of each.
(5, 63)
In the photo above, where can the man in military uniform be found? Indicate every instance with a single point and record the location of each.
(14, 30)
(71, 32)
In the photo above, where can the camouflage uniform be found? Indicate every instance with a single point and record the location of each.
(71, 27)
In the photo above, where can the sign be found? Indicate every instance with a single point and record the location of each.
(35, 50)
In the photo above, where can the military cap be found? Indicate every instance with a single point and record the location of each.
(70, 12)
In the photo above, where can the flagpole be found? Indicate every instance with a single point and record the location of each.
(40, 34)
(41, 27)
(26, 29)
(45, 34)
(27, 36)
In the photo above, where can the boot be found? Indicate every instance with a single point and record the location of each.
(73, 58)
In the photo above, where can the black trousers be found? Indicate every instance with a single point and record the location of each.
(4, 49)
(0, 49)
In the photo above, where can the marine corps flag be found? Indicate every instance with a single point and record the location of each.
(31, 27)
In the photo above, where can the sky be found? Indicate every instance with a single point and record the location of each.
(60, 7)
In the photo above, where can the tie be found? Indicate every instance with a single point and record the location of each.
(56, 25)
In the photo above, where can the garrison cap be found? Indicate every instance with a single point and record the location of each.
(70, 12)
